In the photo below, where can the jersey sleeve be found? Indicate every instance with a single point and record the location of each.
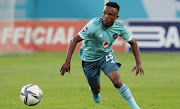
(88, 30)
(126, 35)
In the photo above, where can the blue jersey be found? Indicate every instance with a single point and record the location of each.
(98, 39)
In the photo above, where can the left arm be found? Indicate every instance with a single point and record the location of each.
(136, 53)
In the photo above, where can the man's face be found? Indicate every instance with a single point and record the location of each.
(109, 15)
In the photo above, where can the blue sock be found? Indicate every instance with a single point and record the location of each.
(126, 94)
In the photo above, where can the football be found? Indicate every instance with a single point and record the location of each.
(31, 94)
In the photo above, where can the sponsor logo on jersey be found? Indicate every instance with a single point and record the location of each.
(85, 29)
(115, 36)
(105, 44)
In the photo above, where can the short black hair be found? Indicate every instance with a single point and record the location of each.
(113, 4)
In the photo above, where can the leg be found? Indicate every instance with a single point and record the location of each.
(92, 73)
(115, 78)
(123, 89)
(111, 68)
(95, 88)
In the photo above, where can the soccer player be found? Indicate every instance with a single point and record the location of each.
(96, 52)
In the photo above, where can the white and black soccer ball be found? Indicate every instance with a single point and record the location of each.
(31, 94)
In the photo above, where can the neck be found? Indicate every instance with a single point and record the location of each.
(109, 25)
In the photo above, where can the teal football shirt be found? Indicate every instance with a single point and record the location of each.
(98, 39)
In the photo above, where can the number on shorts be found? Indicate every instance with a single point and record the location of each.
(109, 56)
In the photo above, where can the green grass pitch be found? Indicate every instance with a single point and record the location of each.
(159, 88)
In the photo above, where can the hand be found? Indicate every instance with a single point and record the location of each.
(65, 68)
(138, 69)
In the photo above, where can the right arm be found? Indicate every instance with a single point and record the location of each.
(66, 66)
(83, 34)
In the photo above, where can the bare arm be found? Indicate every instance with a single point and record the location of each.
(136, 53)
(66, 66)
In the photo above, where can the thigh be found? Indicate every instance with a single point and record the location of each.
(109, 64)
(92, 72)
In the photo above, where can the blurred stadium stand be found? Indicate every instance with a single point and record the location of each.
(46, 25)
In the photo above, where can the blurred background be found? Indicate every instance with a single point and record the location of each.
(45, 25)
(42, 30)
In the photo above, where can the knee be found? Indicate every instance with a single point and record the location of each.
(117, 83)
